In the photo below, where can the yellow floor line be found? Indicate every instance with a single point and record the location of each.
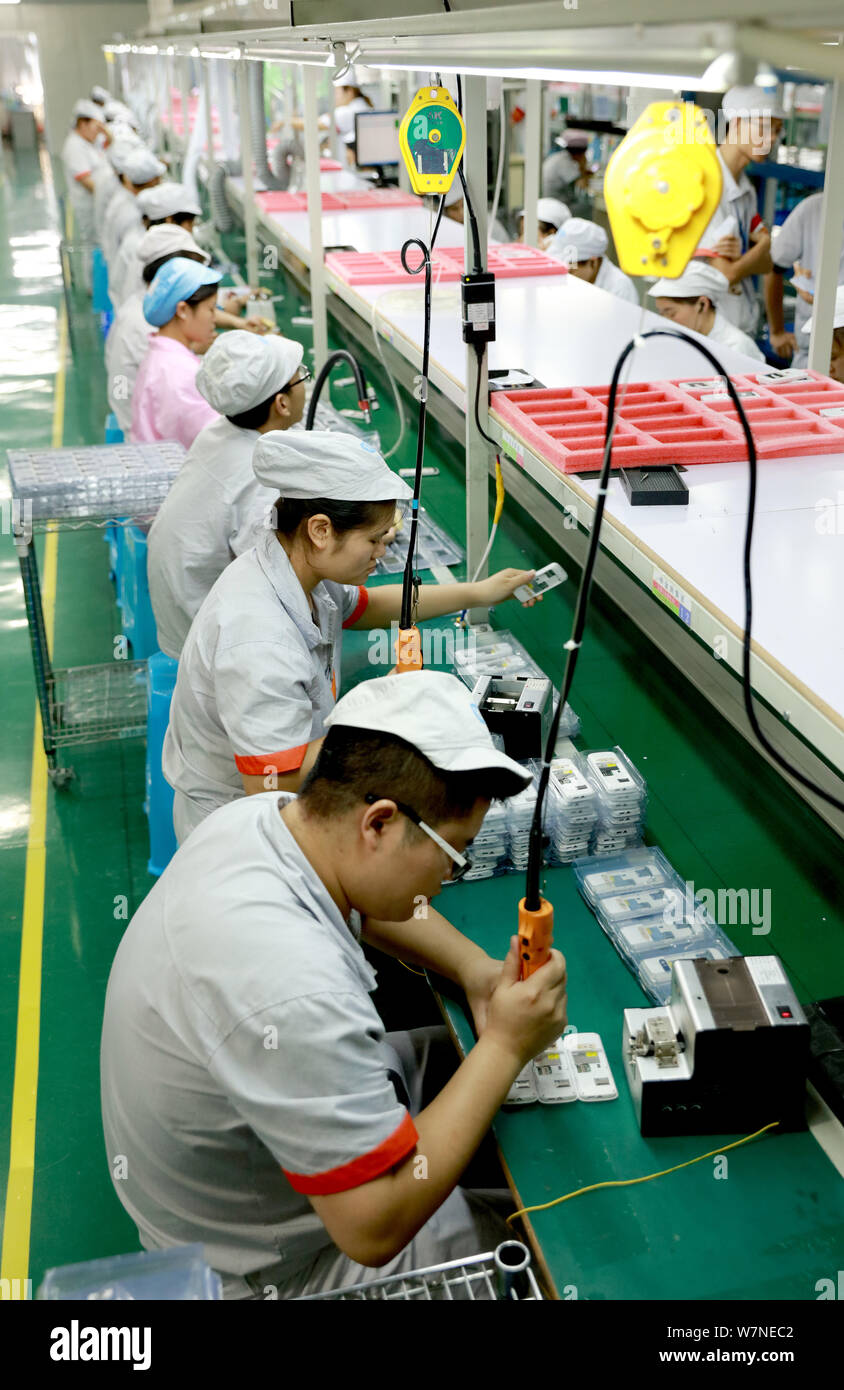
(14, 1260)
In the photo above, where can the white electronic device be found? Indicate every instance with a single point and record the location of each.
(645, 904)
(614, 779)
(656, 935)
(775, 374)
(523, 1089)
(629, 880)
(592, 1075)
(554, 1075)
(546, 578)
(570, 782)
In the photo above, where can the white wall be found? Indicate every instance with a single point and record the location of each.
(69, 37)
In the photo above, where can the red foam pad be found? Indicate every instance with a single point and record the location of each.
(385, 267)
(355, 200)
(676, 421)
(330, 166)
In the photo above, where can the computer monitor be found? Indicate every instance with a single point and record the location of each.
(376, 139)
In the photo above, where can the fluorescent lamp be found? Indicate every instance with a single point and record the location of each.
(606, 77)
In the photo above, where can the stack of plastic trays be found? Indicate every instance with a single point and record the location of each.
(490, 847)
(645, 909)
(622, 801)
(520, 809)
(490, 653)
(572, 810)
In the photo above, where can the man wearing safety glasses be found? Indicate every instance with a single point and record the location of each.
(246, 1078)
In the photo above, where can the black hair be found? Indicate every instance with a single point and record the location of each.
(688, 298)
(350, 87)
(150, 271)
(199, 296)
(257, 415)
(290, 512)
(354, 763)
(177, 218)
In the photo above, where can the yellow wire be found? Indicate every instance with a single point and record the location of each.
(500, 494)
(411, 969)
(630, 1182)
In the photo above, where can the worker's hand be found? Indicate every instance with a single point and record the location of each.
(256, 325)
(233, 302)
(784, 344)
(729, 247)
(526, 1016)
(503, 585)
(479, 979)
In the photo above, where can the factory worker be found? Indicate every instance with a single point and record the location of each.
(550, 215)
(565, 172)
(795, 247)
(163, 203)
(247, 1082)
(836, 360)
(106, 178)
(583, 246)
(138, 169)
(736, 232)
(260, 669)
(118, 111)
(129, 335)
(180, 303)
(695, 299)
(100, 96)
(80, 158)
(348, 101)
(211, 512)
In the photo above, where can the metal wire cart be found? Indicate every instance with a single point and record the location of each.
(65, 489)
(502, 1274)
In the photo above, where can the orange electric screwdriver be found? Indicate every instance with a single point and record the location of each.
(409, 645)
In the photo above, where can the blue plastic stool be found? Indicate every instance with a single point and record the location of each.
(161, 679)
(114, 533)
(113, 432)
(99, 283)
(138, 617)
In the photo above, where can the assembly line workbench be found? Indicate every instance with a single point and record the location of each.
(689, 1235)
(688, 559)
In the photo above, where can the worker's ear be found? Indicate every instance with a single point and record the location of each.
(281, 404)
(377, 816)
(319, 530)
(181, 310)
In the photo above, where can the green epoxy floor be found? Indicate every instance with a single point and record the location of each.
(722, 818)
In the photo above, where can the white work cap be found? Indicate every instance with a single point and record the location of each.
(750, 101)
(119, 111)
(326, 463)
(122, 133)
(140, 166)
(549, 210)
(243, 369)
(698, 278)
(432, 711)
(119, 151)
(85, 110)
(166, 199)
(167, 240)
(99, 94)
(838, 313)
(579, 240)
(573, 140)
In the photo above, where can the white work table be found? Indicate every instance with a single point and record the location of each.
(568, 333)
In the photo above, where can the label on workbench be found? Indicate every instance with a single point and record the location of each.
(512, 448)
(670, 593)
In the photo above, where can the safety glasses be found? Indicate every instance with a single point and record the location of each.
(461, 861)
(306, 375)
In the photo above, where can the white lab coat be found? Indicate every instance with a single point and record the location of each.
(80, 158)
(723, 331)
(125, 349)
(613, 280)
(126, 278)
(797, 244)
(738, 200)
(208, 517)
(123, 214)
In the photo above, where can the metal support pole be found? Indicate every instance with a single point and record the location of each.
(184, 74)
(533, 139)
(42, 667)
(405, 98)
(171, 133)
(477, 474)
(249, 220)
(207, 107)
(829, 249)
(311, 76)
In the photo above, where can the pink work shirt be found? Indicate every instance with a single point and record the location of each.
(165, 401)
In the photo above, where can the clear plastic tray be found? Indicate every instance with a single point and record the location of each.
(179, 1274)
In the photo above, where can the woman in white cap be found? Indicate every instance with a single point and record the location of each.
(138, 169)
(794, 251)
(106, 178)
(550, 215)
(129, 334)
(245, 1068)
(163, 203)
(81, 157)
(736, 233)
(583, 246)
(180, 303)
(260, 669)
(565, 172)
(836, 359)
(212, 511)
(694, 300)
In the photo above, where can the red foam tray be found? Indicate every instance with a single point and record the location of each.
(356, 200)
(385, 267)
(669, 422)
